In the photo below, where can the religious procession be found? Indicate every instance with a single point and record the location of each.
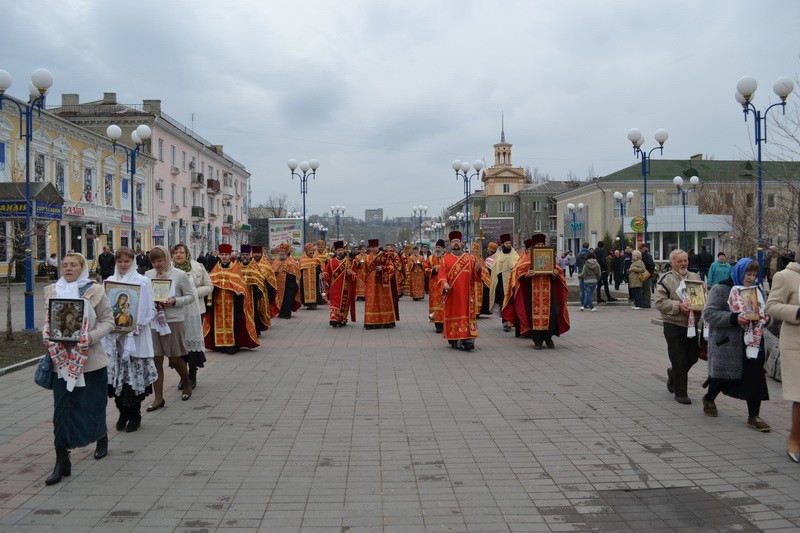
(166, 305)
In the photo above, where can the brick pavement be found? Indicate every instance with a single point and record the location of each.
(391, 430)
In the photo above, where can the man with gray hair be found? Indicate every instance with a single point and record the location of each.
(679, 324)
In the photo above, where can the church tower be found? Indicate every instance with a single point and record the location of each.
(502, 150)
(502, 179)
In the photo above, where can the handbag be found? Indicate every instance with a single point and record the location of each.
(644, 276)
(44, 376)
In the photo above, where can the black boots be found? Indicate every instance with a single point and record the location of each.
(193, 375)
(63, 467)
(134, 417)
(102, 447)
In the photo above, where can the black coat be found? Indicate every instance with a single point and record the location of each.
(106, 264)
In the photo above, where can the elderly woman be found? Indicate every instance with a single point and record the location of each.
(131, 370)
(784, 304)
(735, 345)
(195, 357)
(168, 330)
(79, 392)
(635, 282)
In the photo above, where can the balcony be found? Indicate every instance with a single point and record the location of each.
(213, 186)
(212, 216)
(198, 212)
(228, 219)
(198, 180)
(174, 170)
(175, 208)
(227, 191)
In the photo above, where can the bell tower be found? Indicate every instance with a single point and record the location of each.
(502, 150)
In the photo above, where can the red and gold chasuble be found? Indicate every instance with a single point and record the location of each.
(460, 311)
(416, 277)
(281, 268)
(380, 305)
(435, 296)
(340, 276)
(361, 276)
(538, 296)
(254, 276)
(219, 327)
(308, 276)
(485, 281)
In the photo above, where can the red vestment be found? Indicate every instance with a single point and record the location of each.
(531, 302)
(310, 269)
(229, 322)
(415, 274)
(340, 276)
(460, 312)
(282, 269)
(435, 297)
(380, 304)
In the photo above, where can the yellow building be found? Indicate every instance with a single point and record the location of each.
(92, 178)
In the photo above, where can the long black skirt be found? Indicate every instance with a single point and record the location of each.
(753, 385)
(79, 416)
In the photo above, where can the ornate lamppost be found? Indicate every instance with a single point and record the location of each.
(575, 223)
(305, 166)
(41, 81)
(637, 139)
(139, 137)
(462, 171)
(337, 211)
(678, 181)
(622, 201)
(420, 211)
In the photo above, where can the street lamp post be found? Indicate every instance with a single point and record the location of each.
(139, 136)
(41, 81)
(337, 211)
(305, 166)
(420, 211)
(678, 181)
(574, 213)
(637, 139)
(745, 88)
(623, 200)
(462, 171)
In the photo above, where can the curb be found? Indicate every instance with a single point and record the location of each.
(19, 366)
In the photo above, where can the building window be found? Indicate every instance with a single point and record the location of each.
(60, 173)
(139, 197)
(172, 196)
(537, 206)
(771, 200)
(38, 167)
(552, 224)
(501, 207)
(674, 198)
(506, 187)
(749, 199)
(184, 197)
(160, 190)
(651, 205)
(537, 225)
(3, 164)
(172, 155)
(88, 184)
(108, 189)
(511, 207)
(161, 149)
(183, 162)
(194, 198)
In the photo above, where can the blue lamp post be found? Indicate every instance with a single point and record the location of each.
(637, 139)
(623, 200)
(41, 81)
(420, 211)
(139, 137)
(575, 223)
(462, 171)
(337, 211)
(678, 181)
(745, 88)
(305, 166)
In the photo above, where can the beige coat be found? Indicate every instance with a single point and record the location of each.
(99, 328)
(636, 268)
(667, 300)
(784, 303)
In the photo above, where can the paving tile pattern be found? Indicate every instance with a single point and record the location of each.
(350, 430)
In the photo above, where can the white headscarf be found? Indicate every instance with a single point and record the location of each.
(71, 289)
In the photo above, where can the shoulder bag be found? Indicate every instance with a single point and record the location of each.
(44, 373)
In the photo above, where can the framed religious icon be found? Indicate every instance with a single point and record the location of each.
(749, 297)
(124, 299)
(161, 289)
(542, 260)
(66, 319)
(696, 292)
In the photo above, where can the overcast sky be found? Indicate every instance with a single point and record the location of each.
(385, 94)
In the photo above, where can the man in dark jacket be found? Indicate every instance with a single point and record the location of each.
(601, 255)
(706, 259)
(142, 261)
(580, 259)
(106, 263)
(617, 264)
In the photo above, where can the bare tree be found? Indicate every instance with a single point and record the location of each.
(276, 206)
(16, 261)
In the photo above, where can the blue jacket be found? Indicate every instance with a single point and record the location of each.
(718, 272)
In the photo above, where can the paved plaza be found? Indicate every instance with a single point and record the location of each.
(348, 430)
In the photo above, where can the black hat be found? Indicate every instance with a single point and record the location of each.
(440, 242)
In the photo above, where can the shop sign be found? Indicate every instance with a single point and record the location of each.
(226, 230)
(127, 218)
(13, 208)
(637, 224)
(74, 210)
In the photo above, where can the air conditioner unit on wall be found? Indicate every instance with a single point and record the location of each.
(159, 186)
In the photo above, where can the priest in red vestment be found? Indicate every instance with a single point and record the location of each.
(229, 323)
(340, 277)
(380, 303)
(458, 273)
(435, 293)
(311, 265)
(536, 303)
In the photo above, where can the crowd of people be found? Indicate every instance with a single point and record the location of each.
(225, 301)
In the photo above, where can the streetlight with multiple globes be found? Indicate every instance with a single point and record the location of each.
(420, 211)
(622, 200)
(637, 139)
(678, 181)
(41, 81)
(462, 171)
(305, 166)
(745, 88)
(139, 137)
(574, 225)
(456, 220)
(337, 211)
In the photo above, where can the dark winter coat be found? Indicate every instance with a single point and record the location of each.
(726, 340)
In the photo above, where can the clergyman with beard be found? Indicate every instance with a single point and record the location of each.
(680, 321)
